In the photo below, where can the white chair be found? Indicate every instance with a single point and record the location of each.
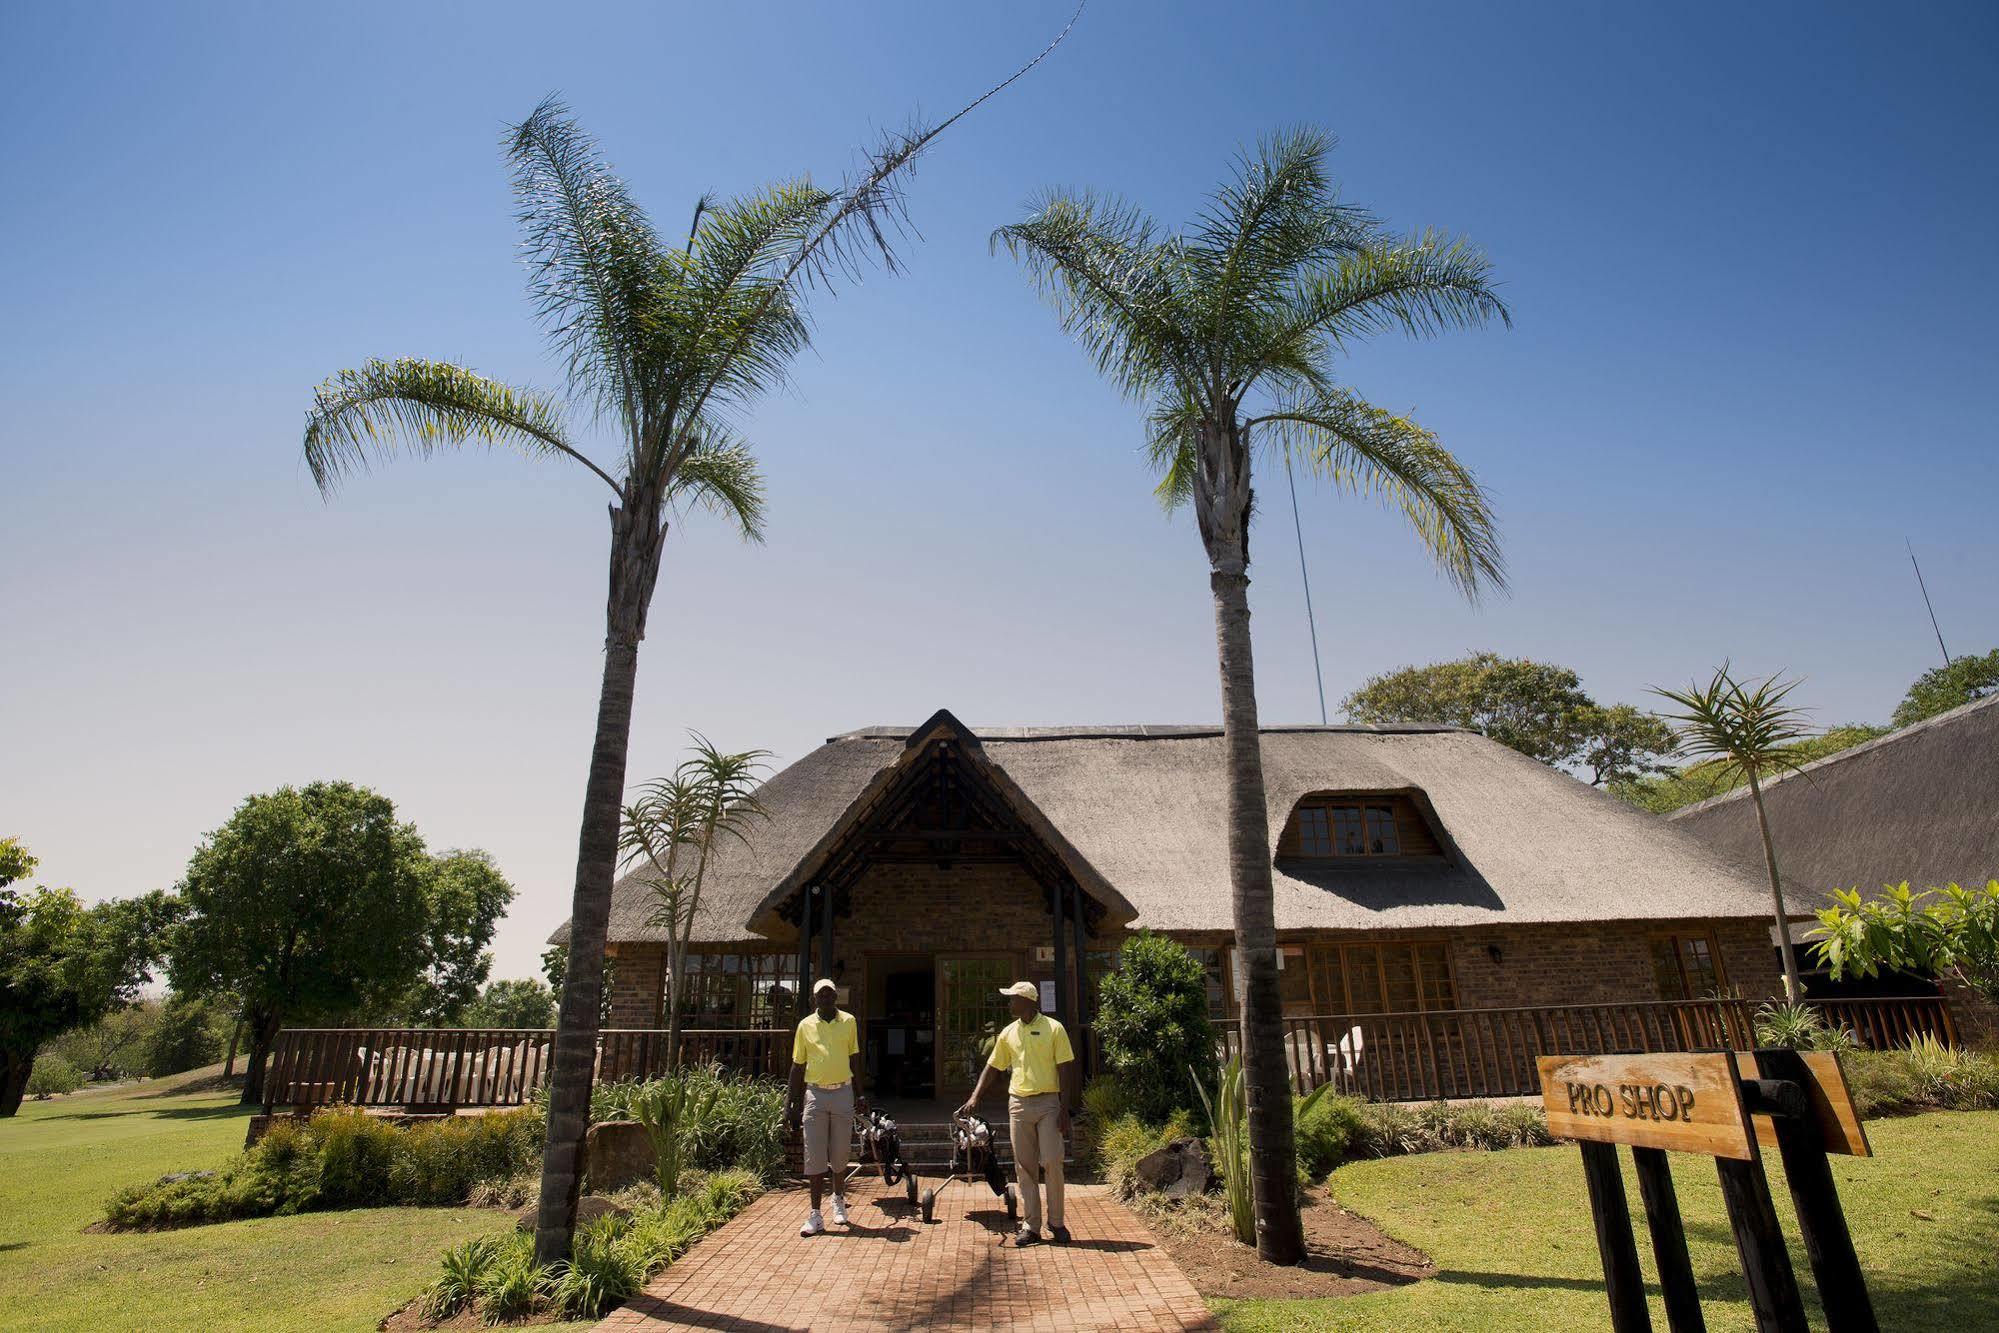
(1344, 1056)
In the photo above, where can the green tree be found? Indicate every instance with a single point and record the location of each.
(1943, 688)
(314, 904)
(1229, 333)
(1750, 731)
(186, 1035)
(465, 899)
(555, 966)
(664, 343)
(1950, 932)
(64, 965)
(524, 1002)
(1152, 1020)
(1537, 708)
(711, 795)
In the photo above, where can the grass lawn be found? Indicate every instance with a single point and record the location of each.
(59, 1161)
(1511, 1235)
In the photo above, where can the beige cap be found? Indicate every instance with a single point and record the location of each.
(1026, 990)
(824, 983)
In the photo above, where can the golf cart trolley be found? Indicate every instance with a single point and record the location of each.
(972, 1159)
(881, 1144)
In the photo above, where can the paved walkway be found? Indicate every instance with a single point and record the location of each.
(890, 1270)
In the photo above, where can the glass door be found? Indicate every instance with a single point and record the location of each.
(970, 1013)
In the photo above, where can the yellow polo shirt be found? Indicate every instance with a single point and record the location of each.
(1031, 1051)
(824, 1045)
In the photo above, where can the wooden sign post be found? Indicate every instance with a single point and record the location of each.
(1725, 1106)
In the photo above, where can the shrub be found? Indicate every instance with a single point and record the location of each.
(53, 1074)
(724, 1121)
(1125, 1140)
(512, 1285)
(1329, 1131)
(342, 1159)
(1152, 1020)
(1106, 1098)
(1227, 1112)
(1801, 1028)
(458, 1285)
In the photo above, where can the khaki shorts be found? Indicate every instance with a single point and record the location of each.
(828, 1124)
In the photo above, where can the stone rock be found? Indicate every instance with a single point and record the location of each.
(616, 1153)
(1176, 1170)
(588, 1209)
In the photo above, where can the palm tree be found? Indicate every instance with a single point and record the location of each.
(710, 795)
(662, 345)
(1745, 733)
(1228, 332)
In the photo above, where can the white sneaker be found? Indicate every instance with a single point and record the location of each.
(839, 1210)
(813, 1224)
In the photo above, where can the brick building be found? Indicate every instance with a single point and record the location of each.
(1417, 868)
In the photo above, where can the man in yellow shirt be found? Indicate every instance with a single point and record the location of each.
(1040, 1091)
(825, 1093)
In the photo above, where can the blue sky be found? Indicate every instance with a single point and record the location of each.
(1747, 249)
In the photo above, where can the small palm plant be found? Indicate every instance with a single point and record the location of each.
(668, 1108)
(1746, 730)
(1229, 333)
(711, 795)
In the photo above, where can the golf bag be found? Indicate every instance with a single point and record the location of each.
(881, 1143)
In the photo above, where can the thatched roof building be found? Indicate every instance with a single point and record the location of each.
(1920, 804)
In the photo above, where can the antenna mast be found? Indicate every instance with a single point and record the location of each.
(1311, 622)
(1905, 541)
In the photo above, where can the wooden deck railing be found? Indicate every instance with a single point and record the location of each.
(442, 1069)
(1444, 1053)
(1450, 1053)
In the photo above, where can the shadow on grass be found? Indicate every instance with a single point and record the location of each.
(174, 1113)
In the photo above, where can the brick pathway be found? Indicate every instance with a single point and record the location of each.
(890, 1270)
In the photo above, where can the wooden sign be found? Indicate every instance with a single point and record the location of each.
(1824, 1082)
(1682, 1103)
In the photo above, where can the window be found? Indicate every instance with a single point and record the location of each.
(1214, 963)
(1686, 967)
(1332, 825)
(1391, 977)
(739, 990)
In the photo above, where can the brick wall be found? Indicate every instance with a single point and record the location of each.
(1598, 962)
(638, 985)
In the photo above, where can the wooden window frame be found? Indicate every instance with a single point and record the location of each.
(1673, 940)
(1406, 814)
(1344, 1005)
(785, 960)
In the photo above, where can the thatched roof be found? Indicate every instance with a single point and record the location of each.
(1140, 816)
(1920, 804)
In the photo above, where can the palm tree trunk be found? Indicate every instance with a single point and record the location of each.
(1272, 1149)
(1793, 987)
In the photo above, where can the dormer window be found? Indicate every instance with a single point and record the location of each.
(1335, 825)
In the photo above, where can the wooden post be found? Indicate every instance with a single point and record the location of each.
(805, 926)
(826, 930)
(1766, 1264)
(1622, 1281)
(1058, 900)
(1821, 1220)
(1080, 1028)
(1669, 1241)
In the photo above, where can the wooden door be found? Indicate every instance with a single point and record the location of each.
(970, 1013)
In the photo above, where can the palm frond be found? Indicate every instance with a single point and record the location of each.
(719, 472)
(1094, 259)
(1424, 285)
(1742, 728)
(858, 231)
(416, 406)
(591, 253)
(1364, 450)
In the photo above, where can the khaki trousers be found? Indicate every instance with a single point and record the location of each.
(828, 1125)
(1037, 1147)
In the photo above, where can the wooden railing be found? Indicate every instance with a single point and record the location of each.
(1450, 1053)
(443, 1069)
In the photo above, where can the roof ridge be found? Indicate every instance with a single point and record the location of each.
(1148, 731)
(1837, 756)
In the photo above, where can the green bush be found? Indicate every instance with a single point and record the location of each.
(1329, 1131)
(342, 1159)
(599, 1274)
(1125, 1140)
(512, 1285)
(53, 1074)
(727, 1121)
(1800, 1027)
(1152, 1021)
